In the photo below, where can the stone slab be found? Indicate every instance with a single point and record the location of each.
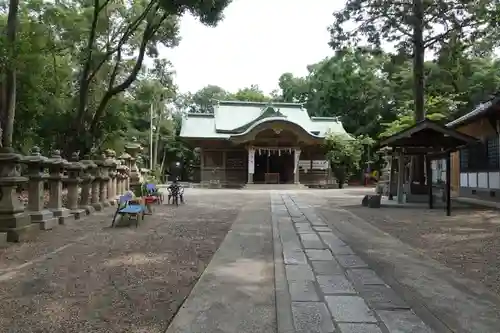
(303, 291)
(78, 213)
(312, 317)
(317, 222)
(312, 241)
(22, 230)
(300, 219)
(381, 297)
(359, 328)
(294, 257)
(287, 236)
(403, 322)
(314, 254)
(351, 261)
(331, 238)
(294, 213)
(3, 239)
(351, 309)
(335, 284)
(48, 224)
(364, 277)
(322, 229)
(335, 244)
(299, 273)
(304, 228)
(326, 267)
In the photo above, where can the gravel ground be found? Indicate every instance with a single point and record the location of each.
(468, 241)
(86, 277)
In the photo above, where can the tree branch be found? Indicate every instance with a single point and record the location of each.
(148, 33)
(84, 83)
(131, 28)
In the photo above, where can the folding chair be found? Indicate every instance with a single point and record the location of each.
(124, 207)
(153, 192)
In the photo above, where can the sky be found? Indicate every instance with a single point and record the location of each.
(257, 41)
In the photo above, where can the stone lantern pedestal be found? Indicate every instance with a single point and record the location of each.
(56, 175)
(112, 164)
(96, 186)
(126, 171)
(133, 150)
(36, 172)
(120, 183)
(14, 221)
(87, 184)
(72, 181)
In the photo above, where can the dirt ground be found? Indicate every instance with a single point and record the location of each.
(468, 241)
(86, 277)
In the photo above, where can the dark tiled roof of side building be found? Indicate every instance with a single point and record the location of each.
(478, 111)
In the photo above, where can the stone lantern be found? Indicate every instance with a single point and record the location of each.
(102, 178)
(72, 181)
(36, 173)
(125, 157)
(88, 177)
(56, 166)
(133, 150)
(14, 221)
(111, 164)
(96, 184)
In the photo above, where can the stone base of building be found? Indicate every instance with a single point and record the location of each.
(3, 240)
(63, 214)
(98, 206)
(45, 219)
(88, 209)
(18, 227)
(78, 213)
(105, 204)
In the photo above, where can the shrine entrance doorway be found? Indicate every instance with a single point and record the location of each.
(274, 166)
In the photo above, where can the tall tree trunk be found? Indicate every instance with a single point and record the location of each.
(157, 139)
(9, 86)
(418, 79)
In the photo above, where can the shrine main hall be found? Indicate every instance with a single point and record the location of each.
(260, 143)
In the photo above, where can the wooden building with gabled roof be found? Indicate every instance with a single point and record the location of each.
(250, 142)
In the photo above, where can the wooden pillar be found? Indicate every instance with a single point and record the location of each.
(429, 180)
(251, 164)
(202, 164)
(448, 184)
(224, 154)
(391, 176)
(296, 174)
(401, 177)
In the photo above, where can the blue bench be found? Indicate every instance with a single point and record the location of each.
(125, 208)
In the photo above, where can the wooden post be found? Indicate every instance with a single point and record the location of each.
(448, 184)
(391, 176)
(224, 175)
(429, 180)
(401, 177)
(202, 165)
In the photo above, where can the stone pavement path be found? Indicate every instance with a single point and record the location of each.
(322, 285)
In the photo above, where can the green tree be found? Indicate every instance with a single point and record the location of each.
(344, 154)
(250, 94)
(415, 26)
(8, 72)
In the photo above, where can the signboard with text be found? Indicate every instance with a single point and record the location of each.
(316, 164)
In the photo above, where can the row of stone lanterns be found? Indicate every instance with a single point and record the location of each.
(92, 184)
